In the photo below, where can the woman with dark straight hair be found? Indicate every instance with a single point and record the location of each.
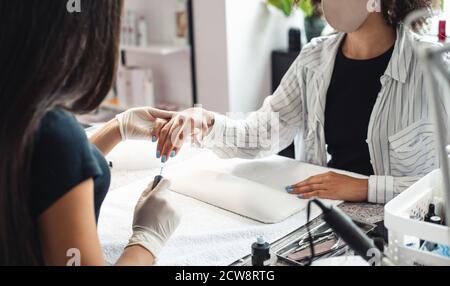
(52, 179)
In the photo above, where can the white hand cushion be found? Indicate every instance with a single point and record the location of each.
(251, 188)
(238, 195)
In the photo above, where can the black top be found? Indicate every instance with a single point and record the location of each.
(62, 159)
(352, 94)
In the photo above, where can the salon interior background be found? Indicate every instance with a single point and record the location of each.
(224, 62)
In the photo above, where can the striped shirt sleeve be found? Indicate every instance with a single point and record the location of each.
(266, 131)
(383, 189)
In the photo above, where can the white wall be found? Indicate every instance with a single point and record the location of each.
(447, 8)
(234, 42)
(211, 54)
(160, 16)
(253, 32)
(234, 39)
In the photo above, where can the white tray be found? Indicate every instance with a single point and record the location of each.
(414, 202)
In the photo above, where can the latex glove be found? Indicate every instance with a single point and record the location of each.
(138, 123)
(192, 123)
(154, 219)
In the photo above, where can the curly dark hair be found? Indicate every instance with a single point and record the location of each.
(394, 11)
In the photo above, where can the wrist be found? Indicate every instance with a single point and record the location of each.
(118, 123)
(364, 190)
(113, 128)
(147, 239)
(136, 255)
(107, 137)
(114, 124)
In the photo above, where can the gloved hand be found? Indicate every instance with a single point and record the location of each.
(138, 123)
(154, 219)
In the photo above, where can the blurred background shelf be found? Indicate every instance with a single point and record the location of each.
(157, 62)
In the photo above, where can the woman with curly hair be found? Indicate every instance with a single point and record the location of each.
(353, 101)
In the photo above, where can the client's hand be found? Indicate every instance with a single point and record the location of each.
(332, 186)
(154, 219)
(138, 123)
(193, 123)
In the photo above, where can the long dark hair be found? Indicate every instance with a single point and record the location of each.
(48, 57)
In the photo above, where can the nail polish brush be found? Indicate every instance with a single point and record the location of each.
(159, 177)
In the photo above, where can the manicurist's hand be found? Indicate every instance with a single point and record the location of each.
(138, 123)
(193, 123)
(332, 186)
(155, 219)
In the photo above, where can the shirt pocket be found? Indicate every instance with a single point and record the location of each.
(412, 151)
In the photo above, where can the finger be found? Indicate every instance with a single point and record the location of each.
(163, 135)
(140, 114)
(192, 130)
(204, 130)
(171, 140)
(200, 134)
(178, 139)
(195, 130)
(163, 185)
(311, 195)
(196, 139)
(178, 134)
(175, 151)
(310, 181)
(306, 189)
(159, 124)
(145, 115)
(162, 114)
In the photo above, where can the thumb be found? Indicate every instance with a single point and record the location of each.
(144, 114)
(163, 185)
(162, 114)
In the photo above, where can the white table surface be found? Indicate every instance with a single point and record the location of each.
(207, 235)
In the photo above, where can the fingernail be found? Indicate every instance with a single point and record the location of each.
(158, 154)
(154, 139)
(289, 189)
(301, 197)
(164, 159)
(172, 154)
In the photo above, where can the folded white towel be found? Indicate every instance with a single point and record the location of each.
(206, 236)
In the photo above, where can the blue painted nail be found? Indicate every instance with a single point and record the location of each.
(289, 189)
(154, 139)
(301, 197)
(158, 154)
(164, 159)
(172, 154)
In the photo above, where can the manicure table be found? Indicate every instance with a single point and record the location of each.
(207, 235)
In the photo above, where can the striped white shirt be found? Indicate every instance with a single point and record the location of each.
(400, 133)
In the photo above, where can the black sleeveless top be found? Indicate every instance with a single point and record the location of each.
(351, 97)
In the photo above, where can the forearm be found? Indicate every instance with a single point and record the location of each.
(266, 131)
(227, 139)
(107, 137)
(260, 135)
(135, 256)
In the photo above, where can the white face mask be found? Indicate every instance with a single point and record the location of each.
(349, 15)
